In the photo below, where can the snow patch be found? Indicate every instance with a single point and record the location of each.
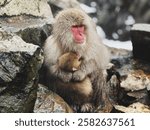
(118, 44)
(101, 32)
(93, 4)
(113, 43)
(115, 35)
(141, 27)
(130, 20)
(88, 9)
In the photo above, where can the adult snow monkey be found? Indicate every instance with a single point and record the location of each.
(74, 31)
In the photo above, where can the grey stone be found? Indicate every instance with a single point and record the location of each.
(37, 8)
(19, 65)
(65, 3)
(49, 102)
(134, 77)
(31, 20)
(30, 29)
(134, 108)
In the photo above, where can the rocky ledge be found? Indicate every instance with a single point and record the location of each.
(19, 65)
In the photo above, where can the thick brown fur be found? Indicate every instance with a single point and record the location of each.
(71, 62)
(94, 54)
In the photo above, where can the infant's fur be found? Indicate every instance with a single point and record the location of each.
(74, 92)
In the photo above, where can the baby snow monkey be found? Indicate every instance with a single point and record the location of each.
(76, 93)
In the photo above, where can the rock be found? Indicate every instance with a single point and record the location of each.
(134, 108)
(36, 8)
(134, 77)
(30, 20)
(141, 96)
(136, 80)
(19, 65)
(31, 30)
(140, 36)
(63, 4)
(57, 5)
(49, 102)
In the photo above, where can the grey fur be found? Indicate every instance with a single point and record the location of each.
(95, 55)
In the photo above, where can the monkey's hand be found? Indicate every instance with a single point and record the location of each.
(78, 75)
(62, 75)
(87, 67)
(65, 76)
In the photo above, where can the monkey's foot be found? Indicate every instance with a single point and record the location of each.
(87, 107)
(78, 75)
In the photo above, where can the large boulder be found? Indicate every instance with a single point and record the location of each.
(140, 36)
(36, 8)
(65, 3)
(19, 65)
(31, 20)
(49, 102)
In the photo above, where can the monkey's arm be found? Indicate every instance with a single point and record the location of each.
(51, 54)
(87, 67)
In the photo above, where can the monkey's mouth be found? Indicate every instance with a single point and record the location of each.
(80, 41)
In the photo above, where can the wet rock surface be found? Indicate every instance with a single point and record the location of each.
(30, 20)
(134, 78)
(37, 8)
(134, 108)
(19, 65)
(65, 3)
(30, 29)
(49, 102)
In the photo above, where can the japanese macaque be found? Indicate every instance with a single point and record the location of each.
(71, 62)
(75, 31)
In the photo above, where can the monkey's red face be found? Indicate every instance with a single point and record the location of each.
(78, 32)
